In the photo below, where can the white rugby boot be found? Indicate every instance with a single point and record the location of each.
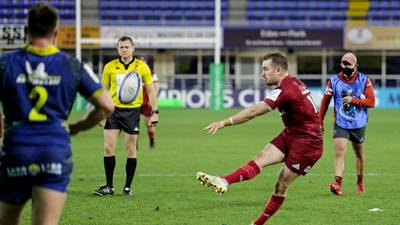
(218, 184)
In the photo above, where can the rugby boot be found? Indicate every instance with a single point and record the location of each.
(218, 184)
(336, 189)
(127, 192)
(104, 190)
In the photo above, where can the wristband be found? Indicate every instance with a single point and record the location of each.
(228, 122)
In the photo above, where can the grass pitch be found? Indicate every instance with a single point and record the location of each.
(167, 193)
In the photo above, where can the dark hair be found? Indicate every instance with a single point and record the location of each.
(125, 38)
(42, 20)
(278, 59)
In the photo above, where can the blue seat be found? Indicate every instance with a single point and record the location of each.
(378, 15)
(152, 17)
(383, 23)
(395, 5)
(301, 5)
(146, 13)
(173, 17)
(384, 4)
(20, 13)
(24, 4)
(224, 5)
(166, 6)
(3, 13)
(103, 5)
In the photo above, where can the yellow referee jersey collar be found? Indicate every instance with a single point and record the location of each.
(129, 63)
(51, 49)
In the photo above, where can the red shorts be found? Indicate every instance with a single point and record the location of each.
(145, 110)
(301, 153)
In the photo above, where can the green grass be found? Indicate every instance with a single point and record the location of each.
(165, 177)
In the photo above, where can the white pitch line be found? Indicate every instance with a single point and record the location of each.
(193, 175)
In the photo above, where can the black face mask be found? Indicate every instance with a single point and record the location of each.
(347, 71)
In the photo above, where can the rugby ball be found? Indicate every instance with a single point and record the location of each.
(129, 88)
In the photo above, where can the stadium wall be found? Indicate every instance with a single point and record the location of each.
(386, 98)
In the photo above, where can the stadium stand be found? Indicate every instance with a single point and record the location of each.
(14, 11)
(158, 12)
(383, 13)
(256, 13)
(295, 14)
(321, 14)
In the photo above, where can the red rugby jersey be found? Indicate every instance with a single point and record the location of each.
(298, 110)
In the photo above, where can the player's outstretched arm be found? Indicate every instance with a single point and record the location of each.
(250, 113)
(103, 106)
(241, 117)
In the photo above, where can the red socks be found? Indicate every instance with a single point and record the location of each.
(273, 205)
(151, 134)
(246, 172)
(338, 180)
(359, 179)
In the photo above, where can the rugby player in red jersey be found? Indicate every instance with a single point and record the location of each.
(299, 145)
(146, 109)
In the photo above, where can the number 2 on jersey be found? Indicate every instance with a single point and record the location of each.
(34, 114)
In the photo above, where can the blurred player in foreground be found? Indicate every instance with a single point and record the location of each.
(146, 108)
(126, 117)
(353, 94)
(37, 89)
(299, 145)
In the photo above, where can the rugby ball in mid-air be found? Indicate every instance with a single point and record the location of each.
(129, 88)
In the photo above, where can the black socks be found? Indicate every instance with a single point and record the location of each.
(130, 171)
(109, 165)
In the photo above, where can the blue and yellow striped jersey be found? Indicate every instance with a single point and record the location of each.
(37, 91)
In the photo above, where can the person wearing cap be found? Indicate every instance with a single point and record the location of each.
(353, 94)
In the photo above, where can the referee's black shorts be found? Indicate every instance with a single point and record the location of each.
(125, 119)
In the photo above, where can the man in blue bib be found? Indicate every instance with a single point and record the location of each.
(353, 94)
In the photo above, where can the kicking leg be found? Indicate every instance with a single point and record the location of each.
(268, 156)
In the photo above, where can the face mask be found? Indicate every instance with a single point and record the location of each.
(347, 71)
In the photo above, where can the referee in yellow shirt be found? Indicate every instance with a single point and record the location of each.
(125, 117)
